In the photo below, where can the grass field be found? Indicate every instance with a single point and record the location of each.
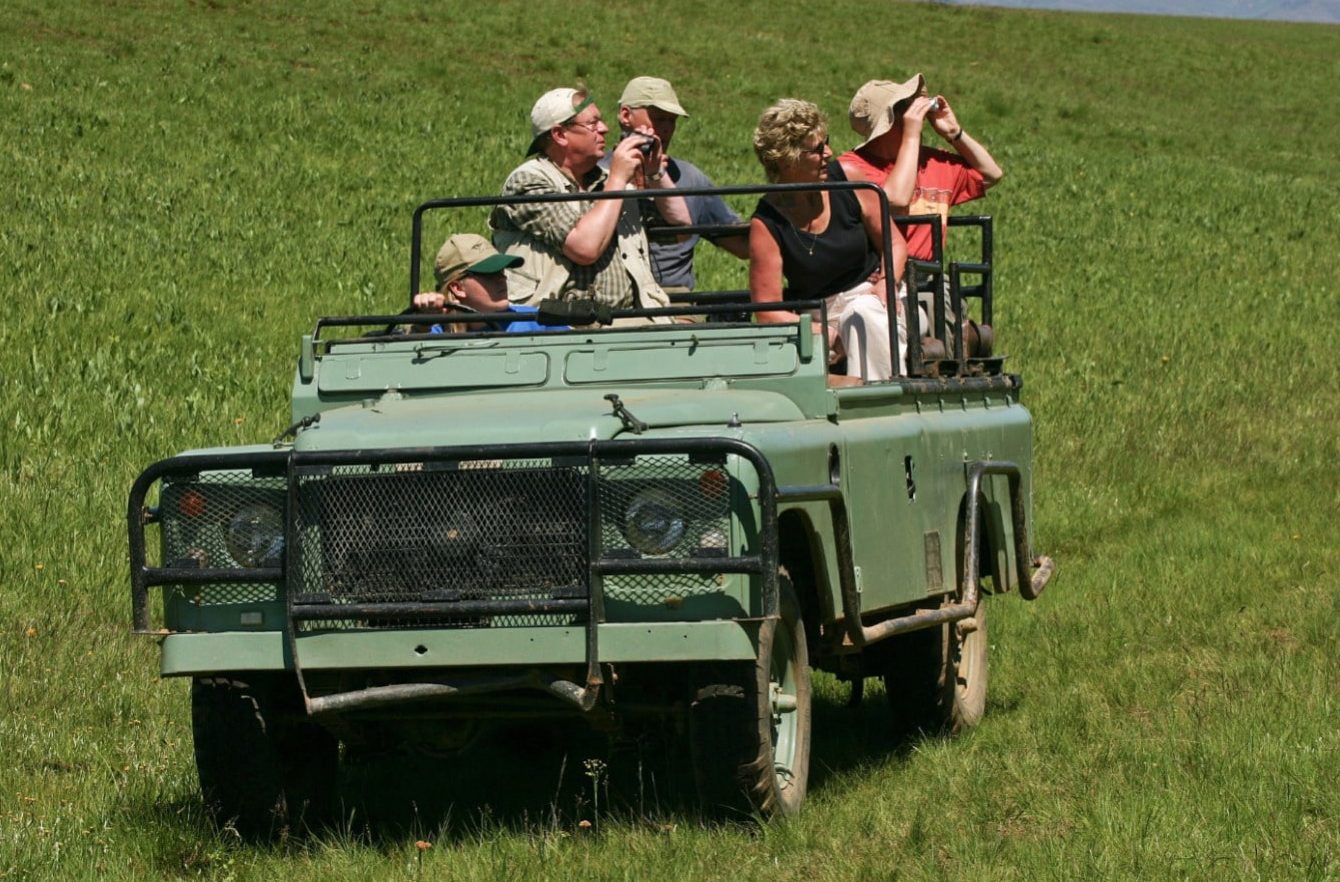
(186, 186)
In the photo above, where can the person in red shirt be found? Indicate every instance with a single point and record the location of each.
(917, 179)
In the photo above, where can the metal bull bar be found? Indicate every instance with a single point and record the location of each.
(763, 563)
(142, 576)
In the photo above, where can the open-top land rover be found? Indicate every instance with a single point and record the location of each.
(623, 518)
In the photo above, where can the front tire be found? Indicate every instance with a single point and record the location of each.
(749, 724)
(264, 767)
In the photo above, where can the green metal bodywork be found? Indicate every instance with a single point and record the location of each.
(898, 451)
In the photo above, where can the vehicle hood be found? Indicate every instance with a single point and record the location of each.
(528, 417)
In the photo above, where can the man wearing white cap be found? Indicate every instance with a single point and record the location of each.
(594, 249)
(650, 102)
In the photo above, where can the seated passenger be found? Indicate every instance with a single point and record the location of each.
(595, 249)
(916, 178)
(469, 274)
(827, 244)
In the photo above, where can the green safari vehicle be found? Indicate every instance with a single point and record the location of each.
(627, 519)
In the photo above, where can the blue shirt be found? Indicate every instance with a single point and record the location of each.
(672, 262)
(521, 326)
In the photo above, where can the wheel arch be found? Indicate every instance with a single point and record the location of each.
(800, 552)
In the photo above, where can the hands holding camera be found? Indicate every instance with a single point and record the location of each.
(638, 151)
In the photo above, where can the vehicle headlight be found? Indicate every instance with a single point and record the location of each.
(653, 522)
(255, 536)
(713, 543)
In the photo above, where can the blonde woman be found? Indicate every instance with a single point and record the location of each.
(825, 244)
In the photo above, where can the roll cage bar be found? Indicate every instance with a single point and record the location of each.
(728, 305)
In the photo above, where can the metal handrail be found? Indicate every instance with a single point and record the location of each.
(886, 248)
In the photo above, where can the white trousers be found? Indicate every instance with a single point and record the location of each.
(861, 321)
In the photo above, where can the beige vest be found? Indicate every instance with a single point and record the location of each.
(546, 270)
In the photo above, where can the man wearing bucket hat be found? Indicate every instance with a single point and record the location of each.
(916, 178)
(470, 274)
(650, 102)
(587, 249)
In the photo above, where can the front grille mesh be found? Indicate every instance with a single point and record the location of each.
(449, 543)
(411, 535)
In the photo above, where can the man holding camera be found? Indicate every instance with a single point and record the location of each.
(582, 249)
(651, 103)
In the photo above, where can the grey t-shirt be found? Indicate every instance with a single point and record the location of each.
(672, 262)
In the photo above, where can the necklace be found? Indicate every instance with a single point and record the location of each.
(814, 237)
(814, 240)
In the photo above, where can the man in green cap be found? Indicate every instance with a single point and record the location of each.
(651, 103)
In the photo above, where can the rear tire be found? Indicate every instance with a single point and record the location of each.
(936, 679)
(264, 767)
(749, 724)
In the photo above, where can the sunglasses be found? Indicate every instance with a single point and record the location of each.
(818, 149)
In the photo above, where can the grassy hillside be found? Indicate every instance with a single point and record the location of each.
(186, 186)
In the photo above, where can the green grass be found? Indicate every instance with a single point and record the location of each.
(187, 186)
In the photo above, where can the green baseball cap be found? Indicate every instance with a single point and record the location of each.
(467, 253)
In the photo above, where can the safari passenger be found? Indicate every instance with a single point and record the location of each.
(471, 277)
(917, 179)
(651, 102)
(826, 244)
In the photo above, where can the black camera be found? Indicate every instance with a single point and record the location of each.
(647, 142)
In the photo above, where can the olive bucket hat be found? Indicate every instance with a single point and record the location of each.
(652, 92)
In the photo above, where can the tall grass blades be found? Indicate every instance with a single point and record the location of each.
(186, 186)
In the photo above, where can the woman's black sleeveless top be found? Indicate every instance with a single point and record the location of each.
(842, 255)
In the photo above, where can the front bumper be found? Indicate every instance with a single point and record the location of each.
(199, 654)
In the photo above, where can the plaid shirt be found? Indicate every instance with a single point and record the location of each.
(606, 281)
